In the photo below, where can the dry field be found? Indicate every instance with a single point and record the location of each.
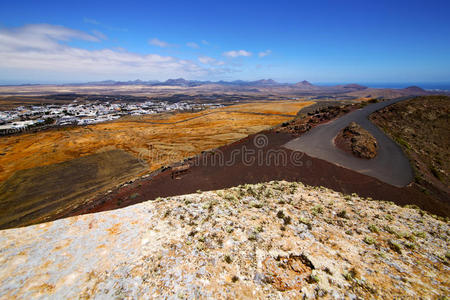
(91, 89)
(39, 194)
(44, 174)
(278, 107)
(178, 136)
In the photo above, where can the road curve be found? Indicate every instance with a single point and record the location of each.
(390, 165)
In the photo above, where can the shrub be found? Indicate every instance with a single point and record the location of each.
(436, 173)
(318, 209)
(313, 278)
(410, 237)
(229, 229)
(230, 197)
(287, 220)
(369, 240)
(420, 234)
(373, 228)
(304, 221)
(395, 246)
(252, 236)
(402, 142)
(342, 214)
(411, 246)
(351, 275)
(227, 259)
(134, 196)
(256, 204)
(389, 229)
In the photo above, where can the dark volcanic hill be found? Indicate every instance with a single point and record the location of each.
(353, 86)
(421, 127)
(416, 90)
(305, 85)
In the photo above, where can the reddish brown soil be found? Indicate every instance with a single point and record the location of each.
(203, 176)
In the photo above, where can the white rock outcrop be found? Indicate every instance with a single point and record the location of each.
(274, 240)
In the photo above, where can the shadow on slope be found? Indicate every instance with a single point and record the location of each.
(38, 194)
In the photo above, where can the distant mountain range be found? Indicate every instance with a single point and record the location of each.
(257, 83)
(262, 84)
(184, 82)
(239, 88)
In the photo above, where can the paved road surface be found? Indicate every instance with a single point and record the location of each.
(390, 165)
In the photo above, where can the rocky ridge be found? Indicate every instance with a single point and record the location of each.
(271, 240)
(314, 115)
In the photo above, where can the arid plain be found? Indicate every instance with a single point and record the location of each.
(153, 141)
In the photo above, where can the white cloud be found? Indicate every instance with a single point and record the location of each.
(42, 52)
(193, 45)
(40, 37)
(99, 34)
(159, 43)
(210, 61)
(206, 59)
(264, 53)
(236, 53)
(205, 42)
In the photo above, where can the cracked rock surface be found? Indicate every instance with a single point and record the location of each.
(271, 240)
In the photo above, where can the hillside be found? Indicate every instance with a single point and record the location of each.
(271, 240)
(421, 126)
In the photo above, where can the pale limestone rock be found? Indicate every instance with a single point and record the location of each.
(222, 245)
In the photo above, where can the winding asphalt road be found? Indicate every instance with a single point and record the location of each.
(390, 165)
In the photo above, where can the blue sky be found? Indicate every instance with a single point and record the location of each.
(320, 41)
